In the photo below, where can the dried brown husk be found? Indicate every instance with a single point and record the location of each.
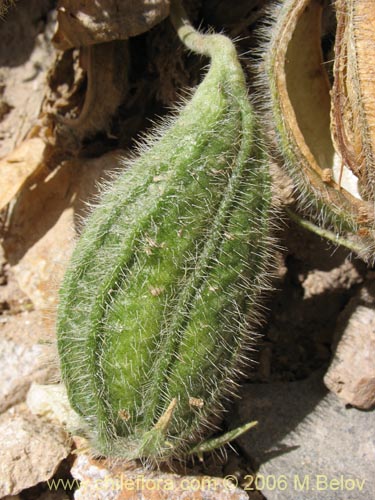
(100, 31)
(105, 66)
(300, 109)
(353, 92)
(86, 22)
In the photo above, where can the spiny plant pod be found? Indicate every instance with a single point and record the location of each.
(298, 98)
(165, 280)
(353, 92)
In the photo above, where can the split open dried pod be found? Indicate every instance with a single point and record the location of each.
(299, 104)
(353, 92)
(99, 32)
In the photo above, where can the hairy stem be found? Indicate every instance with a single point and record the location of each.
(324, 233)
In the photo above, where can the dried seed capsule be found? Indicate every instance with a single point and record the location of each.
(297, 93)
(164, 282)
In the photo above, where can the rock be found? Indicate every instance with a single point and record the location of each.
(51, 402)
(351, 374)
(53, 495)
(102, 481)
(31, 453)
(307, 445)
(342, 277)
(12, 299)
(44, 224)
(19, 166)
(26, 54)
(22, 358)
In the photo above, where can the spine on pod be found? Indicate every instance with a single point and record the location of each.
(164, 282)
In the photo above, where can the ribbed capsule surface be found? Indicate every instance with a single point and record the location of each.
(164, 281)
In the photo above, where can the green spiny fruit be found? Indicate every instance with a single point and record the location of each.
(164, 282)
